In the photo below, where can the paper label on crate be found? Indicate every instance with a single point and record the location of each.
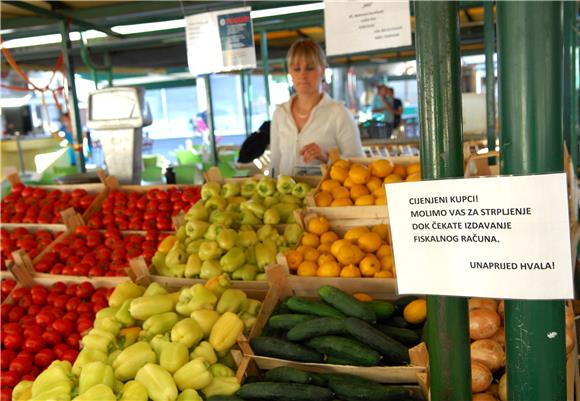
(499, 237)
(220, 41)
(358, 26)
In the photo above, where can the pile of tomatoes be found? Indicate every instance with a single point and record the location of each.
(21, 238)
(143, 211)
(42, 324)
(30, 205)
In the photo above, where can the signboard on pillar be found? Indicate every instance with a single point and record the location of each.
(498, 237)
(357, 26)
(220, 41)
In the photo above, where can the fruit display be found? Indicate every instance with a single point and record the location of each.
(150, 210)
(31, 205)
(350, 183)
(40, 325)
(360, 252)
(340, 329)
(289, 384)
(22, 238)
(151, 344)
(88, 252)
(232, 230)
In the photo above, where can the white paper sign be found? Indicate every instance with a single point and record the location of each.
(356, 26)
(500, 237)
(220, 41)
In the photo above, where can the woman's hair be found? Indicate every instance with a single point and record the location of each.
(307, 49)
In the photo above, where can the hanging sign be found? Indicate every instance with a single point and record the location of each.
(499, 237)
(359, 26)
(220, 41)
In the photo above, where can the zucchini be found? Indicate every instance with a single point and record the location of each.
(394, 352)
(316, 327)
(370, 391)
(404, 336)
(345, 348)
(346, 378)
(308, 306)
(276, 348)
(287, 321)
(333, 360)
(269, 391)
(317, 379)
(286, 374)
(347, 304)
(383, 309)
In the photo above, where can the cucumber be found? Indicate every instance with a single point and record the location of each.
(402, 302)
(383, 309)
(370, 392)
(347, 304)
(345, 348)
(308, 306)
(287, 321)
(346, 378)
(397, 321)
(286, 374)
(316, 327)
(404, 336)
(269, 391)
(317, 379)
(276, 348)
(333, 360)
(224, 398)
(394, 352)
(281, 308)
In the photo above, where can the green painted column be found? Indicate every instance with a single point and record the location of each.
(489, 42)
(75, 118)
(265, 69)
(569, 79)
(530, 86)
(210, 121)
(245, 102)
(438, 75)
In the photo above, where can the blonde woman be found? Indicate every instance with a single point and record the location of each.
(310, 124)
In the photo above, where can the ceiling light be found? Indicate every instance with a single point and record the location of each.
(50, 39)
(149, 27)
(302, 8)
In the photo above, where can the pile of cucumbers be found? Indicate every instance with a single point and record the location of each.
(289, 384)
(338, 329)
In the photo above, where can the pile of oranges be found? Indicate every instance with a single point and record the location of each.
(356, 184)
(361, 252)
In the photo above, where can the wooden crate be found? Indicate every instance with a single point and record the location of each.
(214, 175)
(280, 288)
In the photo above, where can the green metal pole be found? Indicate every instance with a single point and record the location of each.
(266, 69)
(244, 101)
(574, 83)
(438, 74)
(109, 69)
(75, 119)
(530, 86)
(489, 33)
(210, 121)
(250, 97)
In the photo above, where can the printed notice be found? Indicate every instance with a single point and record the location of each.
(501, 237)
(220, 41)
(357, 26)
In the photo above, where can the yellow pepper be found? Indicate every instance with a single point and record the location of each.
(225, 331)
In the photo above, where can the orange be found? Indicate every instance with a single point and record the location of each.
(361, 296)
(416, 311)
(348, 183)
(382, 230)
(387, 263)
(347, 254)
(384, 250)
(350, 271)
(354, 233)
(413, 169)
(328, 237)
(374, 183)
(311, 255)
(303, 249)
(392, 178)
(358, 190)
(381, 168)
(369, 265)
(317, 225)
(329, 269)
(338, 173)
(325, 258)
(340, 193)
(342, 163)
(294, 258)
(383, 274)
(370, 242)
(381, 200)
(323, 198)
(310, 239)
(380, 192)
(359, 174)
(337, 245)
(400, 171)
(324, 247)
(307, 268)
(365, 200)
(327, 185)
(413, 177)
(342, 202)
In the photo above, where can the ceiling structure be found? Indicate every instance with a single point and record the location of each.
(141, 51)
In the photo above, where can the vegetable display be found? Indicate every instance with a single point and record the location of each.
(21, 238)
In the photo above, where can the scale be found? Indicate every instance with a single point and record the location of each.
(117, 115)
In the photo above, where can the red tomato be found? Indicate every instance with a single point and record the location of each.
(72, 304)
(52, 337)
(6, 394)
(45, 318)
(15, 314)
(6, 357)
(85, 307)
(21, 365)
(70, 355)
(9, 379)
(63, 326)
(12, 341)
(85, 290)
(84, 325)
(60, 349)
(39, 294)
(25, 301)
(60, 301)
(28, 320)
(19, 293)
(5, 311)
(33, 343)
(31, 331)
(99, 305)
(12, 328)
(33, 310)
(73, 340)
(44, 358)
(58, 287)
(6, 286)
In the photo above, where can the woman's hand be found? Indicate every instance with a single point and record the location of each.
(312, 151)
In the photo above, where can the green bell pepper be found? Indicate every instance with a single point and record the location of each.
(128, 336)
(160, 324)
(155, 289)
(193, 266)
(124, 291)
(144, 307)
(158, 382)
(187, 332)
(189, 394)
(301, 190)
(96, 373)
(213, 231)
(53, 383)
(209, 190)
(132, 359)
(85, 356)
(197, 212)
(196, 229)
(285, 184)
(251, 255)
(248, 320)
(159, 265)
(194, 375)
(231, 301)
(233, 259)
(264, 256)
(158, 341)
(22, 391)
(222, 217)
(195, 298)
(221, 386)
(98, 392)
(267, 232)
(221, 370)
(252, 306)
(246, 238)
(98, 339)
(226, 239)
(204, 350)
(205, 318)
(230, 189)
(225, 331)
(216, 203)
(266, 187)
(219, 284)
(210, 269)
(209, 250)
(133, 391)
(112, 356)
(271, 216)
(257, 208)
(248, 188)
(290, 199)
(292, 233)
(247, 272)
(249, 218)
(285, 210)
(173, 356)
(123, 316)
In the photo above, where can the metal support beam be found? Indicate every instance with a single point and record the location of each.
(530, 81)
(569, 80)
(60, 16)
(489, 40)
(438, 72)
(250, 97)
(75, 119)
(245, 102)
(210, 121)
(265, 69)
